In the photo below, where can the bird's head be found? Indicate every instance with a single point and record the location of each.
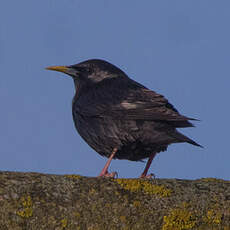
(91, 71)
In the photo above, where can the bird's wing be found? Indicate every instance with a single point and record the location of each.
(135, 102)
(148, 105)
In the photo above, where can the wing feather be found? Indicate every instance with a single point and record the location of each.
(130, 102)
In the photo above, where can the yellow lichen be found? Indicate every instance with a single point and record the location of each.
(77, 214)
(123, 219)
(64, 223)
(130, 184)
(117, 193)
(92, 191)
(136, 203)
(108, 205)
(135, 185)
(159, 190)
(213, 217)
(73, 176)
(126, 228)
(179, 219)
(26, 210)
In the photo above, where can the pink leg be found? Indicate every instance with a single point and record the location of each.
(144, 174)
(104, 172)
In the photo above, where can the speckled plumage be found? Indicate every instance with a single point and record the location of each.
(110, 110)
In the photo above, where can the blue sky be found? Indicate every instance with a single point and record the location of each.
(177, 48)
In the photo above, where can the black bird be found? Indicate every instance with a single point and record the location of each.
(120, 118)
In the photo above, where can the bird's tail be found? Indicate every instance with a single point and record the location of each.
(182, 138)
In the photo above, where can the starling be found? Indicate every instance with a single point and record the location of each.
(120, 118)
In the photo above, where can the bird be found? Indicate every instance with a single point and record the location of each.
(120, 118)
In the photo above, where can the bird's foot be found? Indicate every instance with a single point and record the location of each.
(150, 176)
(110, 175)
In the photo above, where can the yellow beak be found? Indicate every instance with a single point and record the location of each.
(63, 69)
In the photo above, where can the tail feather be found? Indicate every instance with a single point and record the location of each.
(190, 141)
(181, 124)
(182, 138)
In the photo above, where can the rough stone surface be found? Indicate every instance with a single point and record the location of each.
(36, 201)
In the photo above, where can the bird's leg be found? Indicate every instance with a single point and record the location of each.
(104, 172)
(144, 174)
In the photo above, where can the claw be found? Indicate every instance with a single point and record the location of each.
(110, 175)
(144, 174)
(104, 172)
(150, 176)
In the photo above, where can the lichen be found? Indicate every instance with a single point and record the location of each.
(135, 185)
(77, 214)
(213, 217)
(26, 210)
(77, 203)
(73, 176)
(92, 191)
(136, 203)
(130, 184)
(179, 219)
(64, 223)
(159, 190)
(123, 219)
